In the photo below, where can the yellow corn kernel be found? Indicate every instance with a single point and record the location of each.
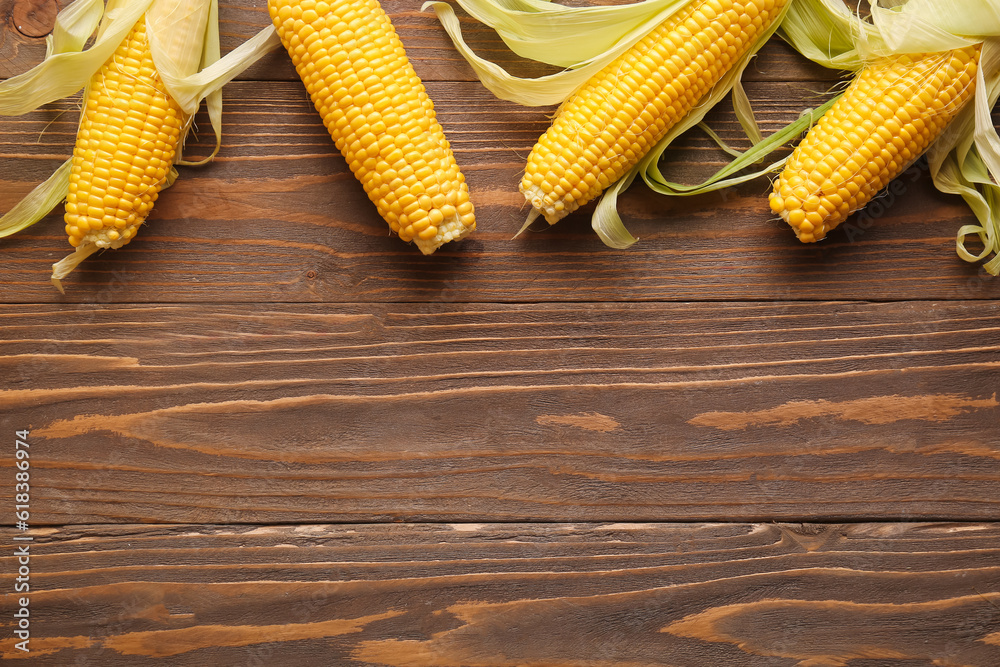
(124, 100)
(375, 107)
(911, 99)
(605, 128)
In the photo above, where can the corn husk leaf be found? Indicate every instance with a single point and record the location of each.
(744, 112)
(176, 30)
(38, 203)
(564, 36)
(217, 73)
(725, 177)
(606, 221)
(211, 52)
(65, 266)
(919, 26)
(74, 26)
(184, 41)
(825, 32)
(966, 161)
(581, 39)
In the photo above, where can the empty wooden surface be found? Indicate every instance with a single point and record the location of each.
(450, 595)
(266, 432)
(416, 412)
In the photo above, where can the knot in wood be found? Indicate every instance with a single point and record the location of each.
(34, 18)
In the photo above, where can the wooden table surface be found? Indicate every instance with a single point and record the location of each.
(269, 433)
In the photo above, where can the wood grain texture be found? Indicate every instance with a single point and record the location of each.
(505, 595)
(617, 412)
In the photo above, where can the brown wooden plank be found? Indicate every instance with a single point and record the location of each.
(618, 412)
(278, 217)
(500, 595)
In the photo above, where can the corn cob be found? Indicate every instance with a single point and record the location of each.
(891, 112)
(125, 148)
(376, 110)
(614, 119)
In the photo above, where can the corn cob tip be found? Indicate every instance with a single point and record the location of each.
(451, 225)
(554, 212)
(807, 231)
